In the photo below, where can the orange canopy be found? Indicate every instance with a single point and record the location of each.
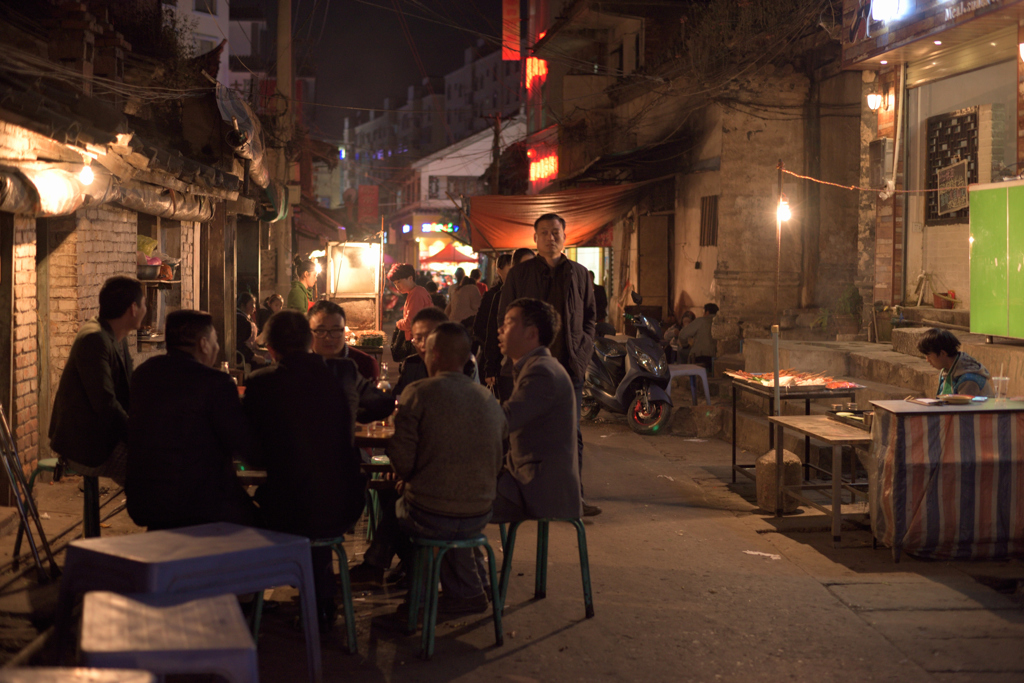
(449, 254)
(506, 222)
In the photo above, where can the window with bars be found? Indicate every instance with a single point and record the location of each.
(709, 221)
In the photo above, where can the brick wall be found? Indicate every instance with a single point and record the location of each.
(63, 295)
(26, 396)
(106, 247)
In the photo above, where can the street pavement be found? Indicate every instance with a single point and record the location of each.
(691, 583)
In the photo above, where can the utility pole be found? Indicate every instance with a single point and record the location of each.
(496, 151)
(282, 230)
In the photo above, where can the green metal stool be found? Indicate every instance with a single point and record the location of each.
(508, 542)
(44, 465)
(346, 591)
(427, 569)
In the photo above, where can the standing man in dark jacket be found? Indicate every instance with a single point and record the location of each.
(185, 428)
(300, 411)
(566, 285)
(493, 371)
(89, 426)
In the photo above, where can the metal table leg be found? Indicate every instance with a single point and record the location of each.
(778, 471)
(734, 432)
(807, 444)
(837, 504)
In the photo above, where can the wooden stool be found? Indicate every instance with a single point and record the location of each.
(164, 634)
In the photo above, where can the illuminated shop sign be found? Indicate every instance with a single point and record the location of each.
(544, 168)
(406, 229)
(536, 70)
(439, 227)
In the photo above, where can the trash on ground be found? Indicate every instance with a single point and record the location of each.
(771, 556)
(44, 515)
(696, 440)
(665, 476)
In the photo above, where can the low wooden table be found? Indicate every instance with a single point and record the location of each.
(371, 436)
(834, 434)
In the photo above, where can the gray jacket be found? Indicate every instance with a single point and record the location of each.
(542, 423)
(90, 412)
(447, 446)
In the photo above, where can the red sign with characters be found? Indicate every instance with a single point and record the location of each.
(368, 204)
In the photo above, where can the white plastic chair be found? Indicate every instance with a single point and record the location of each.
(197, 561)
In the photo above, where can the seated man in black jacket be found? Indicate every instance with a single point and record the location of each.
(184, 429)
(415, 367)
(301, 412)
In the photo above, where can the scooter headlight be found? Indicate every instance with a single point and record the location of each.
(645, 361)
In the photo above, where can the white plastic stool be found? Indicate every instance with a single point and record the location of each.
(48, 674)
(195, 561)
(165, 635)
(686, 370)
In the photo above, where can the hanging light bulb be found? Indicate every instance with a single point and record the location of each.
(784, 214)
(86, 176)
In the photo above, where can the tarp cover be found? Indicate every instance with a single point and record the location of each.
(506, 222)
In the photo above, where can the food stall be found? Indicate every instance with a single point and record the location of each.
(354, 278)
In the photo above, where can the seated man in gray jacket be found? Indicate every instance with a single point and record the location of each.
(447, 452)
(541, 477)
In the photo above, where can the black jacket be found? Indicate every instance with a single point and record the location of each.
(578, 309)
(488, 305)
(301, 412)
(90, 411)
(185, 427)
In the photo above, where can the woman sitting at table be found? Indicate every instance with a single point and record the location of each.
(959, 373)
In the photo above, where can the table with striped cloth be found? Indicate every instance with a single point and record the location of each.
(948, 482)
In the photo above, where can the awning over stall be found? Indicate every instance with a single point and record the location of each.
(506, 222)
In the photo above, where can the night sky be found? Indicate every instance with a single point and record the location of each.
(361, 55)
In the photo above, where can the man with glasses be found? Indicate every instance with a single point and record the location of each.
(327, 320)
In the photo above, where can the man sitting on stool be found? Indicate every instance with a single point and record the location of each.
(447, 452)
(185, 428)
(541, 477)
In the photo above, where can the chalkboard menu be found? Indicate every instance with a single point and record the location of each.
(952, 165)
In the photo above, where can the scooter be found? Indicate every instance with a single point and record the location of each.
(631, 378)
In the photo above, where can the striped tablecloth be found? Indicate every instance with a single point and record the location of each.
(948, 486)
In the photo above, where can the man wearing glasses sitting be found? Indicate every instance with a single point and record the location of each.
(327, 320)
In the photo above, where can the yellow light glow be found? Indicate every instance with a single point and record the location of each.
(57, 192)
(319, 268)
(319, 253)
(971, 240)
(1020, 47)
(874, 101)
(784, 213)
(86, 176)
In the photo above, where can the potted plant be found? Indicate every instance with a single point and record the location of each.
(848, 310)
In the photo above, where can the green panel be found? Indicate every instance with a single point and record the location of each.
(1015, 262)
(988, 262)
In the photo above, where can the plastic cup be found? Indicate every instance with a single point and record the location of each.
(1001, 386)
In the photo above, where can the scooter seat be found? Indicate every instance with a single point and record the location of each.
(609, 348)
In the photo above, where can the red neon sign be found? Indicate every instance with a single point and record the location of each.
(544, 168)
(536, 70)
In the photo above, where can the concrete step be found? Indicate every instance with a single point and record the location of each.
(949, 316)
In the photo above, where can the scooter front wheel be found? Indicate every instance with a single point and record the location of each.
(589, 409)
(648, 417)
